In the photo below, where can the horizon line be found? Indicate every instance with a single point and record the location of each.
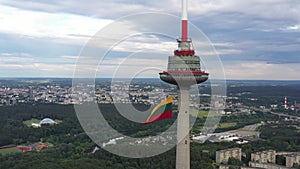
(4, 78)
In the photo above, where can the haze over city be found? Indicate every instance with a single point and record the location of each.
(254, 39)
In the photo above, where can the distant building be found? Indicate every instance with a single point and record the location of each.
(274, 106)
(292, 159)
(47, 121)
(297, 106)
(268, 156)
(222, 156)
(266, 166)
(236, 167)
(24, 148)
(228, 167)
(35, 125)
(219, 137)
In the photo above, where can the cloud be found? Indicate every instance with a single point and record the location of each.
(267, 9)
(261, 71)
(37, 24)
(96, 8)
(293, 28)
(70, 57)
(48, 35)
(12, 58)
(30, 69)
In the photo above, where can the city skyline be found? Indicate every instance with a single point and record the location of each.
(44, 39)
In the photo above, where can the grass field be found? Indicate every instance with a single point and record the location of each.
(199, 114)
(29, 122)
(10, 150)
(227, 125)
(197, 128)
(58, 121)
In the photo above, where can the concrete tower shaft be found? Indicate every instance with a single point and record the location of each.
(183, 127)
(184, 70)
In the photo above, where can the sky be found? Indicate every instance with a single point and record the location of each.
(255, 39)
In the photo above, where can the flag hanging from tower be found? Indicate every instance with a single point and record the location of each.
(162, 111)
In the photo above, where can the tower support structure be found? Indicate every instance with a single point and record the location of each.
(184, 70)
(183, 146)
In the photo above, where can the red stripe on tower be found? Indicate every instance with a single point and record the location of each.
(184, 30)
(184, 22)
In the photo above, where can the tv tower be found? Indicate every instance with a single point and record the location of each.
(184, 70)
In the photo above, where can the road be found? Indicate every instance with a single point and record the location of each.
(285, 115)
(281, 114)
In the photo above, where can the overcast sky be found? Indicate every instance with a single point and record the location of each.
(255, 39)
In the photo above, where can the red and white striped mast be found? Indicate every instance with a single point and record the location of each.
(184, 21)
(285, 102)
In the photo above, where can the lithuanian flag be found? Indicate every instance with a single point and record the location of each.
(162, 111)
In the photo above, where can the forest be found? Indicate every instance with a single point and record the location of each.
(72, 147)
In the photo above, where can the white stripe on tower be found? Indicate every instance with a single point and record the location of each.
(184, 10)
(184, 20)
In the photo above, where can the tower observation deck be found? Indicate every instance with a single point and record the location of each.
(184, 67)
(184, 70)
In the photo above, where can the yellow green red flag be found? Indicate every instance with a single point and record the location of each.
(162, 111)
